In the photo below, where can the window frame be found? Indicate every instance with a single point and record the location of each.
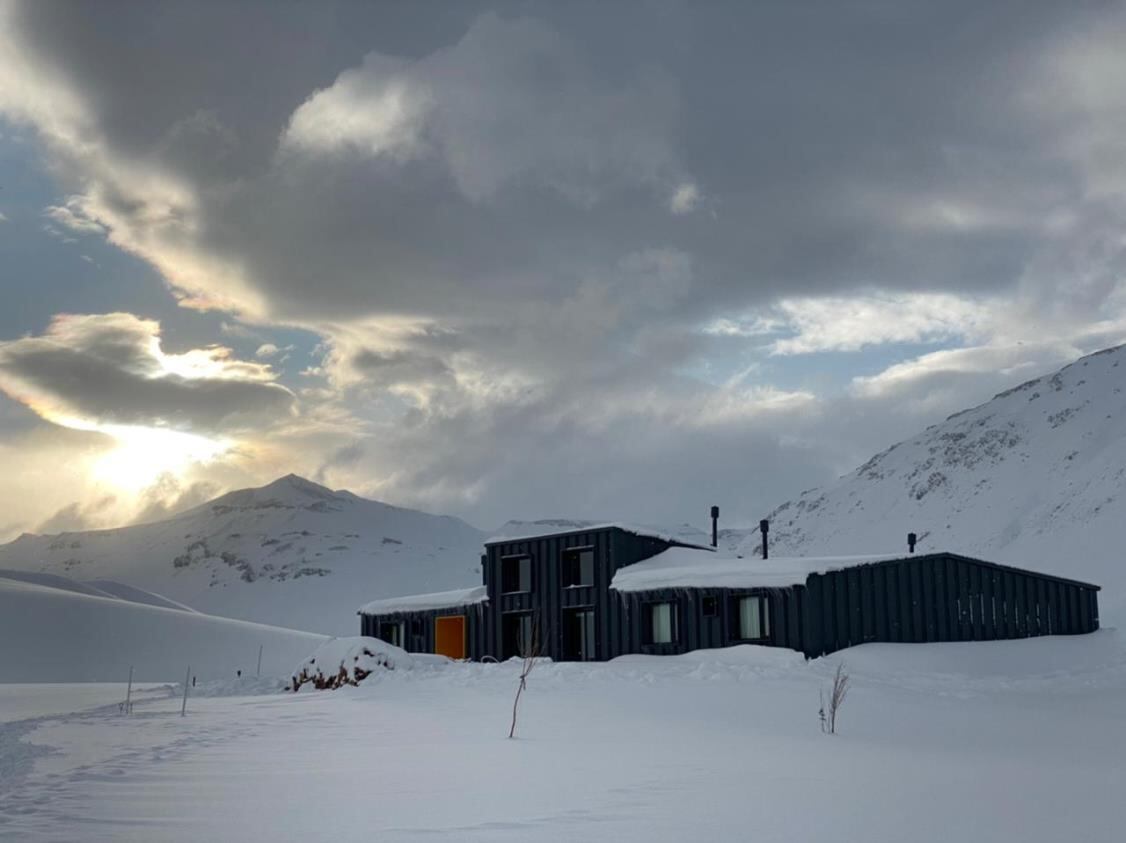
(526, 618)
(564, 566)
(517, 558)
(401, 626)
(674, 623)
(765, 616)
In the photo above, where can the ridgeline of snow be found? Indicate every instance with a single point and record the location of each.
(50, 634)
(1034, 478)
(95, 588)
(685, 567)
(516, 530)
(291, 553)
(423, 602)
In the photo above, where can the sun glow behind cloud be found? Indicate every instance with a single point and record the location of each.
(165, 414)
(143, 454)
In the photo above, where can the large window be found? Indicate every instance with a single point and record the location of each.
(754, 618)
(579, 643)
(519, 635)
(662, 623)
(393, 633)
(515, 574)
(578, 566)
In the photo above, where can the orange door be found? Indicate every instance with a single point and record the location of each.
(449, 636)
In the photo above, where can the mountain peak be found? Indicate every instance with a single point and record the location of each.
(288, 492)
(296, 483)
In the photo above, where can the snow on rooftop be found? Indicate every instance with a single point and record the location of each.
(423, 602)
(517, 530)
(682, 567)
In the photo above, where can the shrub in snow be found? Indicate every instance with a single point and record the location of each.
(347, 661)
(529, 652)
(836, 700)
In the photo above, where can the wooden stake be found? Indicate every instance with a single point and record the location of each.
(184, 705)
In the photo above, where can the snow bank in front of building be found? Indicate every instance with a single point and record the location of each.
(424, 602)
(683, 567)
(348, 661)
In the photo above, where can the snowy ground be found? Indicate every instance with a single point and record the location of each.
(1020, 740)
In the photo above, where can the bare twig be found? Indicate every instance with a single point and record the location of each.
(836, 700)
(529, 651)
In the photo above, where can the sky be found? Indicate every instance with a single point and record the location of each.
(528, 259)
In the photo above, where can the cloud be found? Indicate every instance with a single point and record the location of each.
(839, 323)
(685, 198)
(77, 516)
(71, 217)
(3, 217)
(376, 110)
(96, 371)
(169, 496)
(481, 108)
(492, 225)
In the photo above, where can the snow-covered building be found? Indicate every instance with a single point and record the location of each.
(597, 592)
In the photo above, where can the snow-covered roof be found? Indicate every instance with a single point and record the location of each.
(683, 567)
(423, 602)
(519, 530)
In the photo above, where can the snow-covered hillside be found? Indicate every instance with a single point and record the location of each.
(1035, 477)
(292, 553)
(50, 634)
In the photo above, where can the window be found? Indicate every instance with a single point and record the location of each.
(579, 644)
(662, 623)
(518, 634)
(392, 633)
(515, 574)
(711, 607)
(754, 618)
(578, 566)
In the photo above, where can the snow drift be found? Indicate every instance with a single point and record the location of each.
(57, 635)
(348, 661)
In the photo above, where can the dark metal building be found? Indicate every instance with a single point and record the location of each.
(560, 594)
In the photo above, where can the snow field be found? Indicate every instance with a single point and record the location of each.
(54, 635)
(976, 741)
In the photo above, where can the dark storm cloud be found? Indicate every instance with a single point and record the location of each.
(824, 139)
(103, 370)
(519, 218)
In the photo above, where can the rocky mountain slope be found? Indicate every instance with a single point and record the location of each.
(292, 553)
(1035, 477)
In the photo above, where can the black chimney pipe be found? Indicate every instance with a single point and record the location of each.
(715, 526)
(911, 539)
(764, 526)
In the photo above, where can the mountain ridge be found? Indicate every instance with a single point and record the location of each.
(290, 553)
(1034, 477)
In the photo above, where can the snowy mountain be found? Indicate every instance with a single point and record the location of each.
(1035, 477)
(292, 553)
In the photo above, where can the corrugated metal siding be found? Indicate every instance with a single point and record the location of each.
(940, 597)
(419, 628)
(935, 597)
(700, 631)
